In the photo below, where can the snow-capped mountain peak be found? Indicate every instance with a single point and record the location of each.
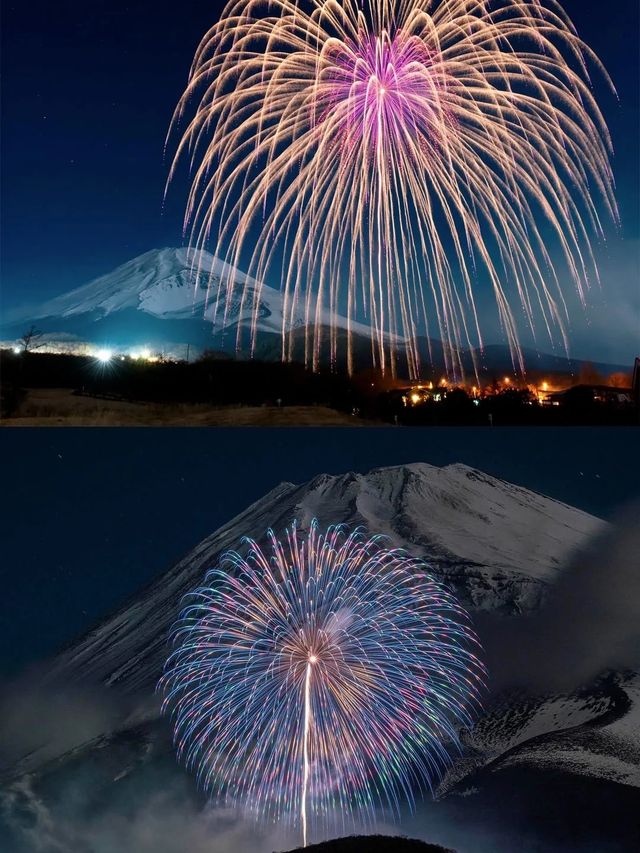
(498, 544)
(161, 282)
(178, 284)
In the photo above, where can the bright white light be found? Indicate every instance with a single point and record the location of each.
(104, 355)
(16, 350)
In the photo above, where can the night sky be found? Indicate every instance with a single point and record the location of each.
(88, 91)
(90, 516)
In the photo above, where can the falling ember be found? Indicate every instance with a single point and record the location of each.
(393, 157)
(320, 679)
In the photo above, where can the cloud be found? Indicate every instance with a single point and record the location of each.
(39, 723)
(164, 820)
(590, 621)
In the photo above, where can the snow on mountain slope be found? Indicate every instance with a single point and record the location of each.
(158, 281)
(457, 513)
(178, 284)
(609, 750)
(496, 543)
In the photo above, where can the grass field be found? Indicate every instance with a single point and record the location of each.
(60, 407)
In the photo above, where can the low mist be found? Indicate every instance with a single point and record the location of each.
(589, 623)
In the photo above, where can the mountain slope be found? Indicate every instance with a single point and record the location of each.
(498, 544)
(172, 285)
(161, 282)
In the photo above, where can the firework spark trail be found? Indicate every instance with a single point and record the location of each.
(320, 679)
(307, 718)
(394, 155)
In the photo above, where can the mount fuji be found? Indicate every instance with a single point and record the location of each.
(570, 752)
(167, 299)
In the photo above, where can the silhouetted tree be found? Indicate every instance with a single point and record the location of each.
(31, 339)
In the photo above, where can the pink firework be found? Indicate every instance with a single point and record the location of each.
(387, 160)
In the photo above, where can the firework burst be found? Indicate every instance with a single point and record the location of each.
(321, 679)
(389, 157)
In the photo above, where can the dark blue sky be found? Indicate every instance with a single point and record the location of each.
(88, 91)
(90, 516)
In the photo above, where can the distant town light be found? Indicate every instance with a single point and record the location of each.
(507, 381)
(104, 355)
(415, 398)
(143, 354)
